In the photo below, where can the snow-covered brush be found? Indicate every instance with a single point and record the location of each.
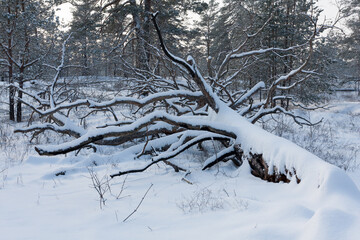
(176, 115)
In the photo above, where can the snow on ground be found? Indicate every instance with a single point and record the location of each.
(216, 206)
(223, 203)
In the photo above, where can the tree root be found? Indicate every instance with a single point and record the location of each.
(260, 169)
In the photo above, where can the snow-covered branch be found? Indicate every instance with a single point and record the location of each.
(99, 134)
(229, 56)
(190, 65)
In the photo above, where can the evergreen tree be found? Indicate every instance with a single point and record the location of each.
(85, 27)
(205, 33)
(289, 25)
(351, 51)
(129, 24)
(27, 28)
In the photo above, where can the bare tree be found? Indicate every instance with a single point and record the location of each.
(176, 114)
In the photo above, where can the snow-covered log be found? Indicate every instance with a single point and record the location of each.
(176, 114)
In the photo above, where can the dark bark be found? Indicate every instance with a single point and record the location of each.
(11, 94)
(166, 158)
(141, 61)
(260, 169)
(190, 67)
(18, 103)
(133, 131)
(11, 80)
(238, 161)
(20, 95)
(147, 14)
(222, 158)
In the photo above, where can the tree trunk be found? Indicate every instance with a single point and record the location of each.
(140, 45)
(18, 103)
(260, 169)
(11, 80)
(147, 13)
(20, 95)
(11, 94)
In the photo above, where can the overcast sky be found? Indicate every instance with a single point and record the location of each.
(329, 6)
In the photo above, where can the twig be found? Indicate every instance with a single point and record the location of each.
(138, 204)
(100, 186)
(122, 187)
(185, 179)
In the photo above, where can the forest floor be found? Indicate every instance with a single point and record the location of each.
(222, 203)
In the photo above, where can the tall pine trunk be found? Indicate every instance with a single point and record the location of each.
(10, 68)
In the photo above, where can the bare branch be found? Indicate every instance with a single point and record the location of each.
(190, 65)
(142, 199)
(220, 156)
(298, 119)
(48, 126)
(128, 130)
(229, 56)
(124, 100)
(171, 153)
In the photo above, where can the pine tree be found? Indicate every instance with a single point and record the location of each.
(206, 32)
(131, 21)
(27, 27)
(289, 25)
(351, 52)
(85, 27)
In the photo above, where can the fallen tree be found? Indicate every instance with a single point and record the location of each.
(179, 113)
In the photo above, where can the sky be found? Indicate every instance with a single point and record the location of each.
(64, 13)
(330, 8)
(329, 13)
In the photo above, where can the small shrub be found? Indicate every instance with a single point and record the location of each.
(12, 151)
(201, 201)
(325, 140)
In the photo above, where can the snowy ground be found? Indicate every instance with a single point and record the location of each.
(223, 203)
